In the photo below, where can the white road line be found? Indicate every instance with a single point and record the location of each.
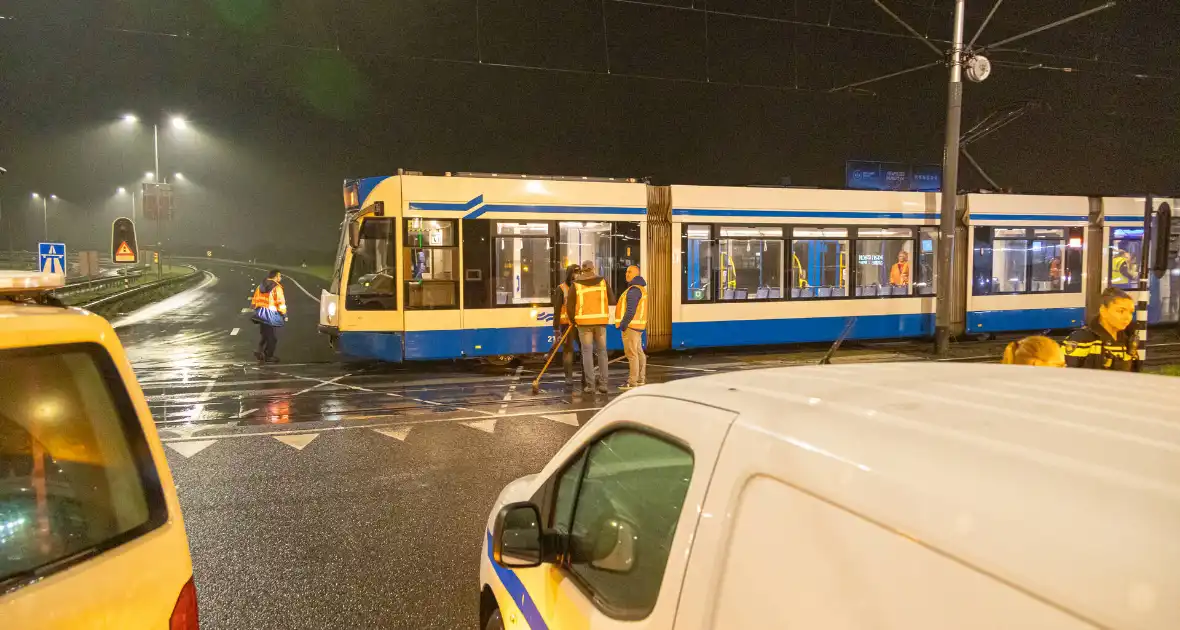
(319, 385)
(234, 332)
(247, 412)
(682, 367)
(366, 426)
(390, 394)
(511, 391)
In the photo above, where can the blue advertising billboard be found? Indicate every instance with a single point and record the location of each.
(872, 175)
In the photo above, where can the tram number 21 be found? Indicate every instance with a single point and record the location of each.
(550, 339)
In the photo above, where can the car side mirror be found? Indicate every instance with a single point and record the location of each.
(354, 234)
(615, 546)
(517, 537)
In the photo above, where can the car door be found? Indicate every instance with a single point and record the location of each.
(629, 502)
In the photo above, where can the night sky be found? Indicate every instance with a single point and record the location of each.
(286, 98)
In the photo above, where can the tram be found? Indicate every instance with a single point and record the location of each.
(465, 265)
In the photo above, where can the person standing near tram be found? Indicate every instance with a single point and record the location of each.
(1109, 341)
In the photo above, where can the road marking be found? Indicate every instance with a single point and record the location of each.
(682, 367)
(319, 385)
(564, 418)
(404, 423)
(246, 310)
(511, 391)
(234, 332)
(188, 449)
(487, 426)
(376, 391)
(397, 434)
(297, 442)
(247, 412)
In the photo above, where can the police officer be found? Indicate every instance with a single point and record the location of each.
(561, 323)
(1108, 342)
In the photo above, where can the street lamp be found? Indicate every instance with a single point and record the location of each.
(149, 176)
(178, 177)
(45, 211)
(121, 191)
(130, 118)
(179, 122)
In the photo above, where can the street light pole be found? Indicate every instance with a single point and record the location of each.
(156, 145)
(950, 188)
(45, 216)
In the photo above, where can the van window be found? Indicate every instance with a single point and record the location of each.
(76, 475)
(625, 515)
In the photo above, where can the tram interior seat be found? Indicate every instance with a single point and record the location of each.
(837, 291)
(823, 292)
(776, 293)
(869, 290)
(727, 294)
(763, 293)
(901, 289)
(741, 294)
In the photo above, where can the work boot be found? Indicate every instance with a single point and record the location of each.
(588, 390)
(261, 357)
(272, 360)
(626, 386)
(602, 389)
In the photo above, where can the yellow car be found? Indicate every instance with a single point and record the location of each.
(90, 528)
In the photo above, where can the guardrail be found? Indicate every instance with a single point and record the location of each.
(107, 299)
(78, 287)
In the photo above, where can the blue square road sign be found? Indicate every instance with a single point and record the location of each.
(51, 258)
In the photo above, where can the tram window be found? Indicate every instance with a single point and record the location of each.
(625, 235)
(927, 262)
(884, 261)
(477, 261)
(1126, 249)
(372, 277)
(699, 256)
(580, 241)
(819, 263)
(1047, 259)
(430, 262)
(751, 263)
(1027, 260)
(523, 263)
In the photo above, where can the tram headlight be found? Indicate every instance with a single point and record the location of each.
(331, 311)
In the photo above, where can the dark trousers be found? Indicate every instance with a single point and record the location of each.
(270, 339)
(567, 352)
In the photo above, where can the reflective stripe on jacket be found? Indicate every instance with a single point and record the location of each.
(591, 306)
(639, 319)
(1092, 347)
(272, 300)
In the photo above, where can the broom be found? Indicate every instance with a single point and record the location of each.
(552, 353)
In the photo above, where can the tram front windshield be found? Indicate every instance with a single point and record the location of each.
(372, 277)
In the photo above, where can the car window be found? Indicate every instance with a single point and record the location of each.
(625, 516)
(567, 490)
(76, 475)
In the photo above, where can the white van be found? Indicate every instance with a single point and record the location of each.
(906, 496)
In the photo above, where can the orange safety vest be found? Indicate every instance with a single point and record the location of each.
(592, 304)
(273, 301)
(565, 296)
(639, 321)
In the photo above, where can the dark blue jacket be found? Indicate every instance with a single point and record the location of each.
(632, 302)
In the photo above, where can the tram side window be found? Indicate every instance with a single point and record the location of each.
(699, 260)
(819, 263)
(1126, 249)
(477, 261)
(523, 263)
(625, 236)
(927, 263)
(884, 261)
(751, 263)
(430, 262)
(1027, 260)
(372, 277)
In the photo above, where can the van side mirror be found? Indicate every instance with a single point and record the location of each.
(517, 538)
(354, 233)
(615, 546)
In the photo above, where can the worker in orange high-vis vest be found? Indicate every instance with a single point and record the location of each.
(562, 323)
(589, 308)
(631, 318)
(270, 313)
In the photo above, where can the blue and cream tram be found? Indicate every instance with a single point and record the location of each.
(441, 267)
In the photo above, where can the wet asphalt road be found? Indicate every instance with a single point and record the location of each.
(323, 493)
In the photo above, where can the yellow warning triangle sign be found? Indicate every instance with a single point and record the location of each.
(124, 253)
